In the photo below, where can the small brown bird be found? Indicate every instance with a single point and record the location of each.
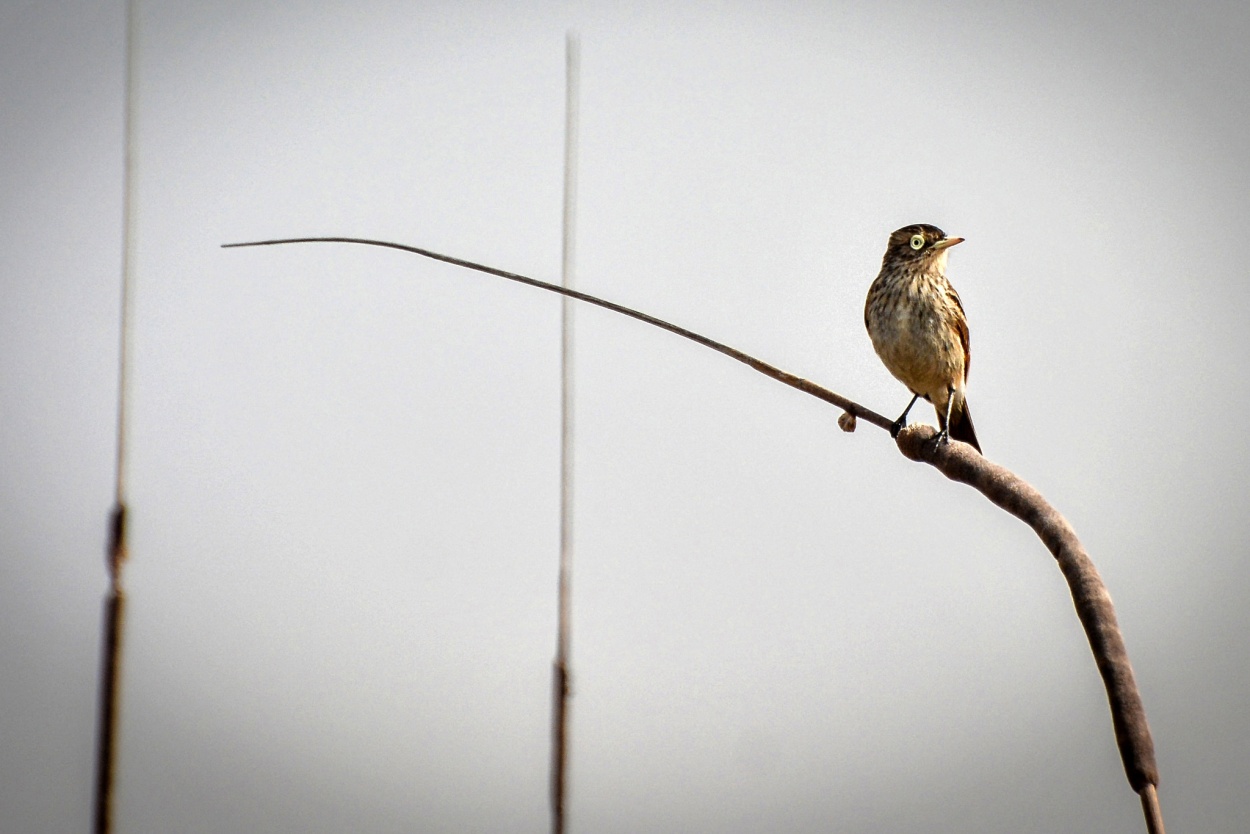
(917, 326)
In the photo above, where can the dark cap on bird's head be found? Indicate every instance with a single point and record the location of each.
(917, 242)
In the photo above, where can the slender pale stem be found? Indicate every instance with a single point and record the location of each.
(115, 602)
(560, 740)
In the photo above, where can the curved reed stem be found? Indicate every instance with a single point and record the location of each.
(959, 462)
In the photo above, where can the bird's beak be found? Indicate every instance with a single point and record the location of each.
(946, 242)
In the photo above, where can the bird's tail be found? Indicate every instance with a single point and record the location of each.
(961, 427)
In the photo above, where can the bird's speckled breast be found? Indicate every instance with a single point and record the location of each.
(912, 327)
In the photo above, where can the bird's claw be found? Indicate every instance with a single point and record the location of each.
(896, 427)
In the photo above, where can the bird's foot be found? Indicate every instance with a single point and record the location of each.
(901, 422)
(942, 438)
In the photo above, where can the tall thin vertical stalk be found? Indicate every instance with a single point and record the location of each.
(115, 601)
(560, 732)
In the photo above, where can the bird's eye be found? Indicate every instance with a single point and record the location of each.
(917, 241)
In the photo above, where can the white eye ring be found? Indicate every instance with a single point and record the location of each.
(917, 241)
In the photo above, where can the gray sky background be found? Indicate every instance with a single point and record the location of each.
(344, 461)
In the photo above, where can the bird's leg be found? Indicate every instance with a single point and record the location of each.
(902, 418)
(944, 435)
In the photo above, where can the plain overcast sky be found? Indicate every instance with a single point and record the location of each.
(344, 461)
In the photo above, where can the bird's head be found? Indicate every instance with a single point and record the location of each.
(919, 244)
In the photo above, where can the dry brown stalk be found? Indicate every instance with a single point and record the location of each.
(960, 462)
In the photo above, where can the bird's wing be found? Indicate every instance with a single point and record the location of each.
(961, 324)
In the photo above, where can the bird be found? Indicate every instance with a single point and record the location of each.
(917, 326)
